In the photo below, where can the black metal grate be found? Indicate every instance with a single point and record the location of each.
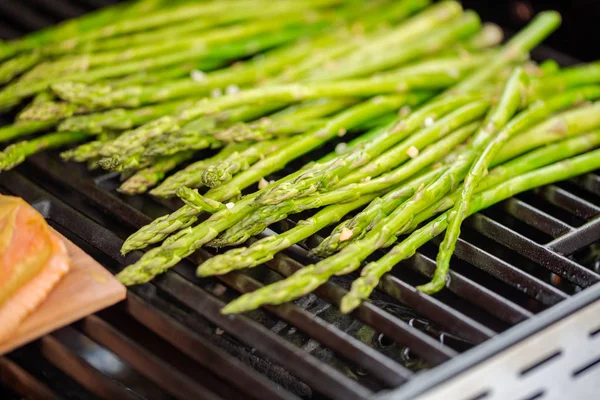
(168, 340)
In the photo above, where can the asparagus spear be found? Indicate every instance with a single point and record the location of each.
(141, 181)
(88, 151)
(17, 65)
(218, 174)
(190, 176)
(23, 128)
(510, 101)
(372, 273)
(192, 198)
(294, 119)
(15, 154)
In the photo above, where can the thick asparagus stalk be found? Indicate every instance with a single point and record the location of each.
(141, 181)
(511, 99)
(16, 153)
(372, 273)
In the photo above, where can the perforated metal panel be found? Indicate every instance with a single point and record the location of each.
(560, 362)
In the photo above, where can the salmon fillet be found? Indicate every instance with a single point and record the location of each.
(32, 261)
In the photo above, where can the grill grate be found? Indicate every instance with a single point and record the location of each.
(169, 340)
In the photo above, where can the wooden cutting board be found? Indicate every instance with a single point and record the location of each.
(86, 289)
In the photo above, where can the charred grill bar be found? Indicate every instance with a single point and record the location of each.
(526, 256)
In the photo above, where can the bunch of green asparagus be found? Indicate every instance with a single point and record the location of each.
(431, 116)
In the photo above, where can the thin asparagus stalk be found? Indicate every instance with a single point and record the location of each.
(147, 178)
(355, 228)
(372, 273)
(294, 119)
(267, 129)
(579, 75)
(510, 101)
(16, 153)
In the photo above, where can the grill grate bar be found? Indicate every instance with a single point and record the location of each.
(589, 182)
(148, 364)
(193, 345)
(57, 349)
(508, 273)
(22, 382)
(391, 373)
(556, 263)
(470, 290)
(568, 201)
(578, 239)
(458, 323)
(536, 218)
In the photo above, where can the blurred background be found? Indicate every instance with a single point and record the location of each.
(577, 36)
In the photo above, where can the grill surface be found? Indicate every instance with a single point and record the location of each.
(516, 260)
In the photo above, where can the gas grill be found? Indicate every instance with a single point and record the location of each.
(519, 319)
